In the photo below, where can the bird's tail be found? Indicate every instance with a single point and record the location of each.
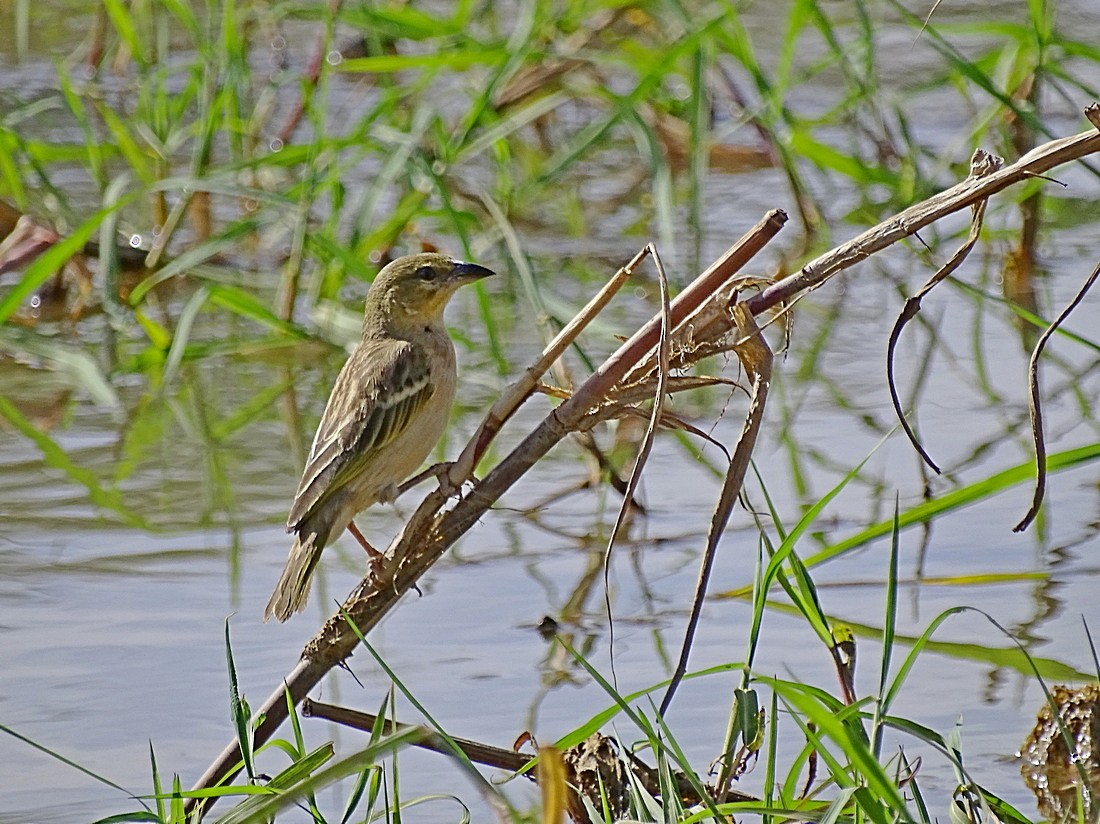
(293, 588)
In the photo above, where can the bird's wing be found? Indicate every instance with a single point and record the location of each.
(378, 392)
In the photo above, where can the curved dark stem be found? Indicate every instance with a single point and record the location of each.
(982, 165)
(1035, 406)
(908, 312)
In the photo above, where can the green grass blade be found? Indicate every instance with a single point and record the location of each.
(961, 497)
(238, 710)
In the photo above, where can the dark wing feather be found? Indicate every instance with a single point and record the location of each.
(380, 389)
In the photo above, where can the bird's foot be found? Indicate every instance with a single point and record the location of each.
(375, 559)
(389, 493)
(449, 485)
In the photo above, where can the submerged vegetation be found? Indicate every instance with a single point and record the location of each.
(189, 223)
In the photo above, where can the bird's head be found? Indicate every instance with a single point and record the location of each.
(414, 290)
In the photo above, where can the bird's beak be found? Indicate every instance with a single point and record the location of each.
(469, 272)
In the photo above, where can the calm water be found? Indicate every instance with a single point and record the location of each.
(111, 632)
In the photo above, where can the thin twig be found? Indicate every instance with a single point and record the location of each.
(645, 448)
(518, 391)
(480, 753)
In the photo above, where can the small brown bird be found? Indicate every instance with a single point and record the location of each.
(388, 408)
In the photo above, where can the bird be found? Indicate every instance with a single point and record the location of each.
(388, 408)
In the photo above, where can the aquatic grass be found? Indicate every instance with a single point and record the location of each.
(95, 156)
(239, 712)
(1024, 314)
(835, 735)
(741, 722)
(49, 262)
(1006, 657)
(965, 495)
(889, 635)
(75, 365)
(100, 494)
(467, 141)
(489, 792)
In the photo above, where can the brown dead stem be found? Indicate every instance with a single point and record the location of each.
(1034, 403)
(756, 357)
(659, 394)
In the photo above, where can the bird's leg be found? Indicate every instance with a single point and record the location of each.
(363, 542)
(374, 557)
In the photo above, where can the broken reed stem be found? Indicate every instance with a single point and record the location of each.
(429, 532)
(644, 449)
(969, 191)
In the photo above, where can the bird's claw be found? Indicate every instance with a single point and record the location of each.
(375, 565)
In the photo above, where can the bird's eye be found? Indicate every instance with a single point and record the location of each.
(425, 273)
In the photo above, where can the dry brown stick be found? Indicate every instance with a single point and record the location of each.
(486, 754)
(1038, 160)
(645, 448)
(428, 534)
(474, 750)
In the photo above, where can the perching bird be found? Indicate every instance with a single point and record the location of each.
(388, 408)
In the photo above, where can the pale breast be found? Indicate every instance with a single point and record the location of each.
(403, 456)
